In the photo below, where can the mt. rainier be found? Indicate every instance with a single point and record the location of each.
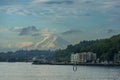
(51, 42)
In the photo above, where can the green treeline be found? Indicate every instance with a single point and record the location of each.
(25, 55)
(104, 48)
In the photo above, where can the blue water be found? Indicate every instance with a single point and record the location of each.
(27, 71)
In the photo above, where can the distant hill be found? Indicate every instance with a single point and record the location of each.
(104, 48)
(25, 55)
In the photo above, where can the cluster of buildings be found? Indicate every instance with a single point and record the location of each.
(90, 57)
(39, 60)
(79, 58)
(84, 57)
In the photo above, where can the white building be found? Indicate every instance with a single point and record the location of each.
(83, 57)
(75, 58)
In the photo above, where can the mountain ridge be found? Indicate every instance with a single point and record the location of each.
(52, 42)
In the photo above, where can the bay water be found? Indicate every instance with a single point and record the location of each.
(27, 71)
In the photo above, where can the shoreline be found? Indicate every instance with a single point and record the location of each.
(82, 64)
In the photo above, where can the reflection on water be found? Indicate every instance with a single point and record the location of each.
(27, 71)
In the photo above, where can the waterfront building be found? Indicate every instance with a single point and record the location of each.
(87, 57)
(117, 57)
(84, 57)
(75, 58)
(40, 59)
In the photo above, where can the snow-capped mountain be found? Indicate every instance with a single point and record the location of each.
(52, 42)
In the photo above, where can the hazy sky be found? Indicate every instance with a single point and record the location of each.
(73, 20)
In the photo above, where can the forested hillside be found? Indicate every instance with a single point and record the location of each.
(104, 48)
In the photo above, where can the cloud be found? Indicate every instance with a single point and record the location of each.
(59, 2)
(37, 8)
(72, 31)
(38, 1)
(76, 8)
(46, 32)
(3, 29)
(24, 44)
(110, 31)
(30, 30)
(33, 31)
(34, 2)
(15, 9)
(17, 29)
